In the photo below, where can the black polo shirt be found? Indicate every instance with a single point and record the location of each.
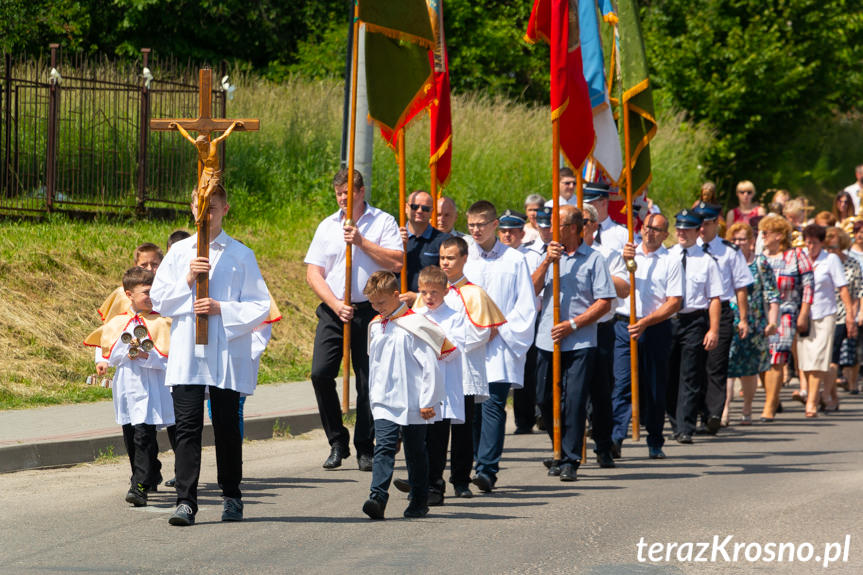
(423, 251)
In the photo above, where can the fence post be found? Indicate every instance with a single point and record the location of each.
(6, 111)
(51, 160)
(143, 139)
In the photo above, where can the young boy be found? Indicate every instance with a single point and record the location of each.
(405, 391)
(141, 400)
(239, 302)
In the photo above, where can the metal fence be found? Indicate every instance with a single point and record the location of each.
(74, 133)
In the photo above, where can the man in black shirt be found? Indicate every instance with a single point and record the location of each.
(423, 241)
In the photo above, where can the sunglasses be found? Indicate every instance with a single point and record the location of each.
(416, 207)
(747, 192)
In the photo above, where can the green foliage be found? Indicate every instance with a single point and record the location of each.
(758, 73)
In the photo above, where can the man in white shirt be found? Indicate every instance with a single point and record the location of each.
(658, 296)
(376, 245)
(855, 188)
(568, 185)
(238, 302)
(609, 233)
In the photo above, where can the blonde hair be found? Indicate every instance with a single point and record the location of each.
(737, 228)
(746, 185)
(776, 223)
(794, 208)
(381, 282)
(841, 235)
(432, 275)
(825, 219)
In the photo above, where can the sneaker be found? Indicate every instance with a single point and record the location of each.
(374, 508)
(232, 509)
(137, 496)
(171, 482)
(402, 485)
(183, 516)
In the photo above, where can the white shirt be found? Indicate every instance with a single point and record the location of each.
(829, 277)
(657, 278)
(572, 201)
(504, 275)
(235, 281)
(404, 375)
(735, 272)
(612, 235)
(471, 340)
(854, 191)
(450, 321)
(701, 278)
(533, 253)
(327, 249)
(617, 269)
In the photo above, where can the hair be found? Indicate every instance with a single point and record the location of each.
(710, 188)
(839, 234)
(176, 236)
(776, 223)
(147, 247)
(341, 178)
(534, 199)
(432, 275)
(381, 282)
(738, 227)
(590, 211)
(825, 219)
(815, 232)
(573, 216)
(134, 277)
(457, 242)
(745, 185)
(794, 207)
(483, 208)
(784, 194)
(849, 208)
(566, 172)
(858, 225)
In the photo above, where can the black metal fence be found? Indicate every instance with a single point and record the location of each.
(74, 133)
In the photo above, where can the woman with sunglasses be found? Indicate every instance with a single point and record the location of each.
(748, 208)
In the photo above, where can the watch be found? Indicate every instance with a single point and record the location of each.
(572, 324)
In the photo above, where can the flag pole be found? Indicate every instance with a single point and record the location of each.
(349, 213)
(555, 285)
(579, 197)
(630, 265)
(402, 193)
(434, 194)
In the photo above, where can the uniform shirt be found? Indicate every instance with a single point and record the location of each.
(701, 278)
(617, 269)
(327, 249)
(584, 278)
(829, 277)
(735, 272)
(423, 251)
(503, 273)
(236, 283)
(533, 252)
(657, 277)
(611, 234)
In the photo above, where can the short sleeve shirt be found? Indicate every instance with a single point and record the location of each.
(657, 277)
(829, 277)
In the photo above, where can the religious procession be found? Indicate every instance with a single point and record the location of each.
(587, 313)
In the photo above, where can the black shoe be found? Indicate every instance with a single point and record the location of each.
(567, 472)
(540, 423)
(337, 453)
(701, 430)
(605, 460)
(779, 408)
(137, 496)
(374, 508)
(548, 463)
(656, 453)
(402, 485)
(713, 424)
(616, 449)
(554, 470)
(462, 491)
(232, 509)
(684, 438)
(171, 482)
(435, 498)
(415, 511)
(483, 482)
(523, 431)
(364, 462)
(182, 516)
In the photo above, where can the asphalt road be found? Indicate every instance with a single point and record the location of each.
(793, 481)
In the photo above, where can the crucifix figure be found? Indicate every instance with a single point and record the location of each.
(209, 170)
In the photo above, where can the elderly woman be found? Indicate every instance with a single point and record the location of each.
(750, 357)
(843, 206)
(794, 280)
(532, 204)
(815, 344)
(844, 347)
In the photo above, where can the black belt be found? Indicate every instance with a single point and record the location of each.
(621, 317)
(361, 304)
(692, 314)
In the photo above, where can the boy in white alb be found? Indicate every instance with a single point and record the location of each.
(405, 391)
(136, 343)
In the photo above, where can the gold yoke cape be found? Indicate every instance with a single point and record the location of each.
(481, 310)
(108, 334)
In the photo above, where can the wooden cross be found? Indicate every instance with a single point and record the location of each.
(203, 124)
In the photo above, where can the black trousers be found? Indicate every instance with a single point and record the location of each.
(461, 455)
(686, 374)
(326, 361)
(717, 365)
(437, 441)
(189, 414)
(143, 451)
(599, 405)
(524, 399)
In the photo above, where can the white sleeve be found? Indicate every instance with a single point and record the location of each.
(241, 317)
(837, 272)
(741, 274)
(390, 239)
(171, 294)
(673, 278)
(99, 357)
(714, 279)
(519, 330)
(260, 338)
(431, 391)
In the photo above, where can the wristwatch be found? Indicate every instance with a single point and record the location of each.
(572, 324)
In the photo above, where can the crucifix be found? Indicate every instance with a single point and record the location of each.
(209, 171)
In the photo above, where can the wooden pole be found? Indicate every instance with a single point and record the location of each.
(555, 285)
(633, 344)
(349, 214)
(202, 282)
(434, 195)
(402, 217)
(579, 189)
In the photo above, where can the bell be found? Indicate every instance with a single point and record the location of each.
(140, 331)
(134, 352)
(126, 337)
(147, 345)
(631, 266)
(106, 383)
(91, 379)
(349, 223)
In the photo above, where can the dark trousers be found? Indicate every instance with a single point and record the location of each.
(437, 441)
(599, 391)
(686, 374)
(576, 377)
(143, 451)
(717, 365)
(189, 413)
(461, 456)
(326, 361)
(524, 399)
(416, 459)
(654, 348)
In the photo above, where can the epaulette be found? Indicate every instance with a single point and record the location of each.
(527, 244)
(731, 245)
